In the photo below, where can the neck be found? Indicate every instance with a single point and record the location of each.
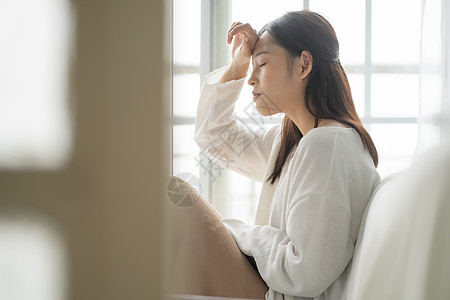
(302, 119)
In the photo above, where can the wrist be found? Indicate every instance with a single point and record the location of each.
(239, 69)
(235, 72)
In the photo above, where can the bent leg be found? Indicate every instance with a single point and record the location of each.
(205, 258)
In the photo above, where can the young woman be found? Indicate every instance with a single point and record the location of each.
(318, 168)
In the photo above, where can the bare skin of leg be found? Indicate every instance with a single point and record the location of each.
(205, 259)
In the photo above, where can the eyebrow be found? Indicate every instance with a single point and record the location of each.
(262, 52)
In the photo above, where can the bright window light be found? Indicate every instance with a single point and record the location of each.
(32, 259)
(381, 57)
(35, 38)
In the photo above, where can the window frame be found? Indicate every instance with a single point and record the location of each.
(215, 20)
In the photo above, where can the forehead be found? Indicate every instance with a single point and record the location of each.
(264, 43)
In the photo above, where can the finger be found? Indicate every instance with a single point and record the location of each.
(245, 28)
(237, 28)
(229, 36)
(234, 25)
(241, 35)
(247, 34)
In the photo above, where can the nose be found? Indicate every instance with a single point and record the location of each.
(252, 80)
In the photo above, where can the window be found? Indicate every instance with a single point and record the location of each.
(35, 41)
(33, 262)
(186, 83)
(380, 54)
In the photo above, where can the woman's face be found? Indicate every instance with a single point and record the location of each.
(276, 88)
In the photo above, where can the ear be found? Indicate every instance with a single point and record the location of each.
(305, 63)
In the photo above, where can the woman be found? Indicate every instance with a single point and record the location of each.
(318, 167)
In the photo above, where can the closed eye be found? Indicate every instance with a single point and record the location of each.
(262, 65)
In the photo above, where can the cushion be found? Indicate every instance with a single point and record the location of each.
(403, 248)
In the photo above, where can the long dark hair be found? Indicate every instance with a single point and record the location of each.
(327, 92)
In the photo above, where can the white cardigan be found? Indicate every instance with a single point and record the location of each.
(307, 222)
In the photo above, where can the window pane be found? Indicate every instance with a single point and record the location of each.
(33, 262)
(356, 82)
(186, 32)
(396, 31)
(244, 195)
(185, 163)
(35, 39)
(396, 144)
(431, 94)
(349, 30)
(186, 92)
(392, 164)
(395, 139)
(429, 136)
(185, 150)
(260, 12)
(395, 95)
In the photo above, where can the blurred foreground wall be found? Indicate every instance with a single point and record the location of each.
(98, 220)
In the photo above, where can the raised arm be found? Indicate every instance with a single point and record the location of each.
(218, 131)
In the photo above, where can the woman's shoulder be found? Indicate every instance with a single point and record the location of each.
(330, 149)
(328, 143)
(327, 136)
(324, 145)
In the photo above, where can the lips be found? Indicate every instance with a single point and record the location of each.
(255, 95)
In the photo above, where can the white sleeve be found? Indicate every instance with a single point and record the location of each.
(316, 246)
(309, 257)
(219, 132)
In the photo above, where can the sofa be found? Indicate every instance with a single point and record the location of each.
(403, 247)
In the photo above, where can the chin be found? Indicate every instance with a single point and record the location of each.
(266, 112)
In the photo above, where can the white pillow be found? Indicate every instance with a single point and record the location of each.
(403, 248)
